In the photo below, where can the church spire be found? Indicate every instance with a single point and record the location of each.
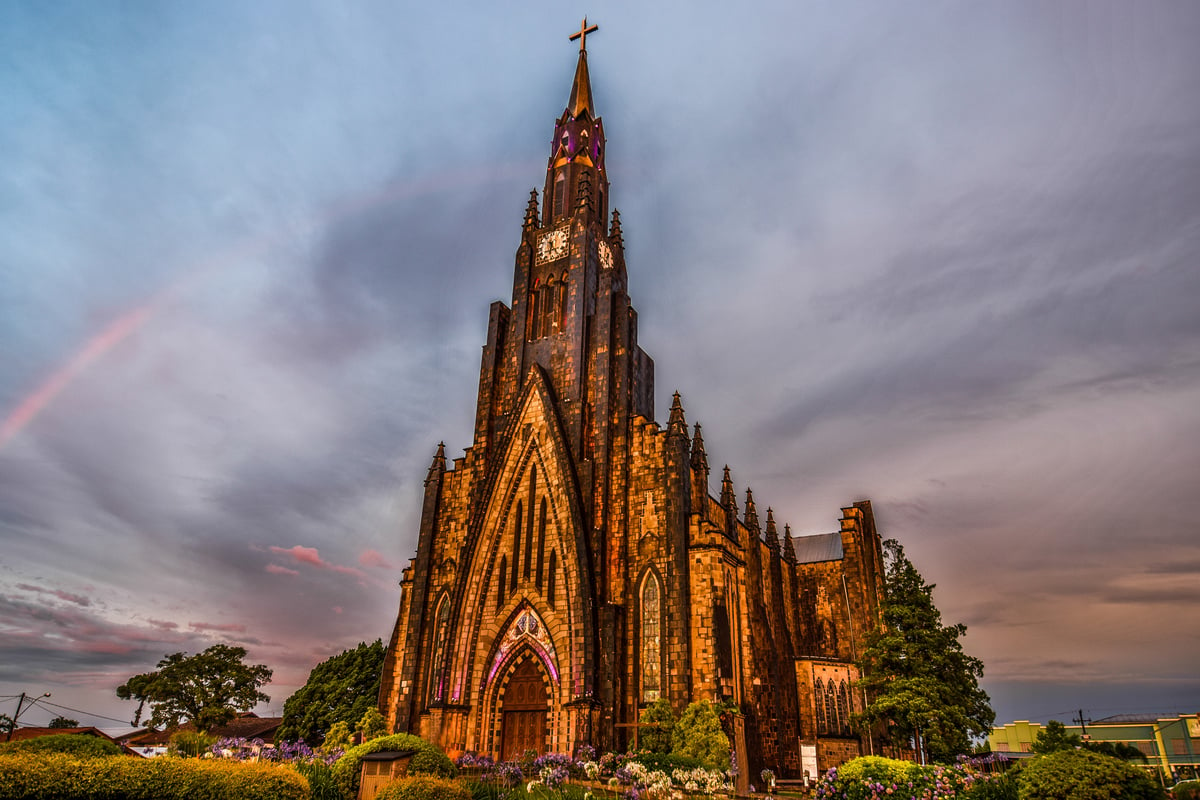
(580, 102)
(789, 547)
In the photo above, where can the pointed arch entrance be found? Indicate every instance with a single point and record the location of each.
(524, 710)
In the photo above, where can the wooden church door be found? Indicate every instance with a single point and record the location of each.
(525, 709)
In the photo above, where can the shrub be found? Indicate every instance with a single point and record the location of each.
(666, 762)
(1083, 775)
(74, 743)
(62, 776)
(429, 760)
(1003, 786)
(321, 783)
(424, 787)
(698, 734)
(1187, 790)
(879, 770)
(660, 713)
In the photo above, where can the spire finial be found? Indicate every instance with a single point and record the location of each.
(531, 210)
(615, 231)
(789, 550)
(677, 425)
(699, 457)
(751, 514)
(439, 463)
(772, 532)
(727, 498)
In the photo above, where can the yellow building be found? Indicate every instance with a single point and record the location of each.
(1171, 744)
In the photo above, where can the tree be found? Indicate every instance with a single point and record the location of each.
(6, 724)
(914, 671)
(206, 689)
(698, 734)
(659, 714)
(339, 689)
(372, 725)
(63, 722)
(1055, 737)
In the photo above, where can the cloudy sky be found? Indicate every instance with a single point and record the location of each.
(938, 255)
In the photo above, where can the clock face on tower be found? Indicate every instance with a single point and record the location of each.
(606, 260)
(552, 245)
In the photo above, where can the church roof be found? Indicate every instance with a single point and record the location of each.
(821, 547)
(581, 90)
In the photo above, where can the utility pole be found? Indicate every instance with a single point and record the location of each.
(1083, 723)
(20, 704)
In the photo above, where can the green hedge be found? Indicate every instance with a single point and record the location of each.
(666, 762)
(429, 760)
(75, 743)
(423, 787)
(61, 776)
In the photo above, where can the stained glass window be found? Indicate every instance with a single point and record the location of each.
(651, 642)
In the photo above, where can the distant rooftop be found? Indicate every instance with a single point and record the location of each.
(1132, 719)
(820, 547)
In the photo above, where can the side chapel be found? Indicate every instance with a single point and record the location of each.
(573, 567)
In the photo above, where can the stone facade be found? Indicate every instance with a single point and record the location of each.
(578, 534)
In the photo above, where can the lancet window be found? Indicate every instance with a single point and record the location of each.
(541, 544)
(651, 642)
(551, 578)
(819, 703)
(440, 628)
(517, 546)
(843, 704)
(501, 581)
(559, 204)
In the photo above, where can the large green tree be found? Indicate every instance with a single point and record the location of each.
(916, 677)
(207, 689)
(339, 689)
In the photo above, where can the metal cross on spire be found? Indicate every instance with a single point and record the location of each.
(582, 33)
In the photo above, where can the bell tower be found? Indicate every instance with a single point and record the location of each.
(570, 314)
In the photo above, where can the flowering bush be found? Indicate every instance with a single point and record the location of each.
(875, 778)
(241, 749)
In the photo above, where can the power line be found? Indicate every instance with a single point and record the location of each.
(80, 711)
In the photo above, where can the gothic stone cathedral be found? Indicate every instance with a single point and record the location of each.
(572, 567)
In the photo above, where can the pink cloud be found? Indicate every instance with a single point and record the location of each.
(276, 569)
(305, 555)
(337, 609)
(210, 626)
(310, 555)
(373, 558)
(77, 599)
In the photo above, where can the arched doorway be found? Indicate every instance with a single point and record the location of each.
(524, 707)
